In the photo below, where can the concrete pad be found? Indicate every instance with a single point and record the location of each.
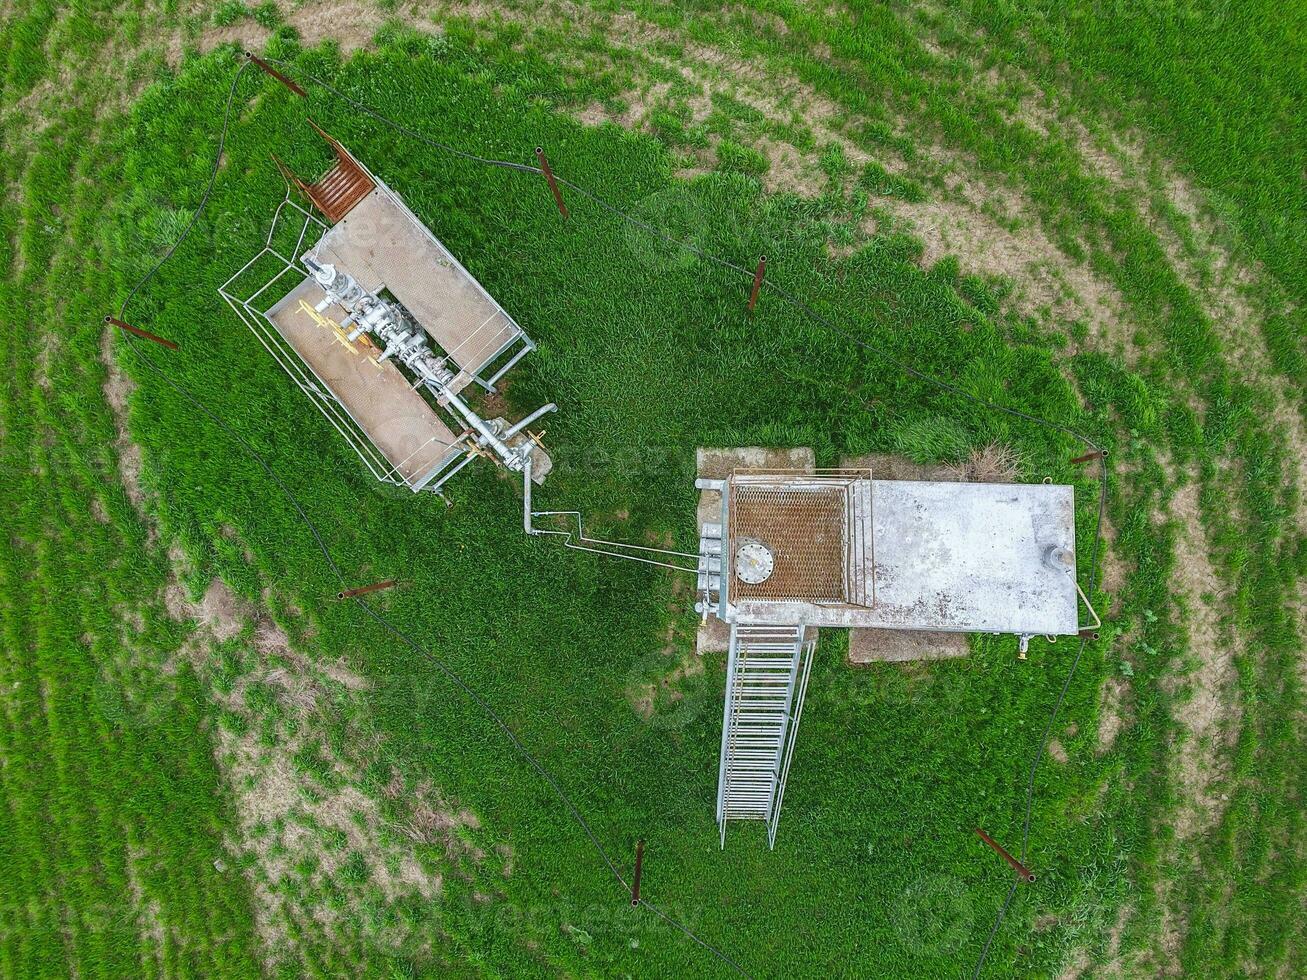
(714, 636)
(382, 245)
(718, 464)
(400, 423)
(902, 646)
(867, 646)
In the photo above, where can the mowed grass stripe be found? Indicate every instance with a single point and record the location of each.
(91, 775)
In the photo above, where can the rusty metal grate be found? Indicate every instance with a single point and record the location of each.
(804, 528)
(340, 188)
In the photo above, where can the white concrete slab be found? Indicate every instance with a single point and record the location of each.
(967, 557)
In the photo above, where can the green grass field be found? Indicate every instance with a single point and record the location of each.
(254, 778)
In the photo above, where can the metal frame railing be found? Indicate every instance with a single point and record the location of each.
(807, 648)
(859, 573)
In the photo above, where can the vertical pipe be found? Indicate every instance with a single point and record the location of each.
(526, 497)
(757, 281)
(553, 184)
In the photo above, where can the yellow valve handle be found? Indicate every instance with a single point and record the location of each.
(328, 323)
(343, 338)
(317, 317)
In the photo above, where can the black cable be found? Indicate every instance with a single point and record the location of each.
(204, 199)
(798, 304)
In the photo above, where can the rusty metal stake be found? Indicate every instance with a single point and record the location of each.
(553, 184)
(757, 281)
(171, 345)
(1096, 454)
(639, 867)
(365, 589)
(267, 69)
(1088, 634)
(1026, 874)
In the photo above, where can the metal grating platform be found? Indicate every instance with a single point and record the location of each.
(803, 527)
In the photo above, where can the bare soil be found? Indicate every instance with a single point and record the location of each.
(1211, 716)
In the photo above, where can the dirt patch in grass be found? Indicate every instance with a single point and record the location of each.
(673, 663)
(1112, 718)
(305, 824)
(118, 388)
(1114, 569)
(1211, 716)
(718, 464)
(149, 914)
(897, 646)
(1047, 284)
(352, 24)
(221, 611)
(889, 466)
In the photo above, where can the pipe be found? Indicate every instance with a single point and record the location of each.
(542, 410)
(501, 448)
(526, 499)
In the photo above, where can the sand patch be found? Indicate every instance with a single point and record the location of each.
(898, 646)
(303, 821)
(352, 24)
(1047, 283)
(670, 666)
(221, 611)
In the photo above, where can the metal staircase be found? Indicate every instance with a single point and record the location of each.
(766, 677)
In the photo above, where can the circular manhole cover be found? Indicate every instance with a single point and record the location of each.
(753, 562)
